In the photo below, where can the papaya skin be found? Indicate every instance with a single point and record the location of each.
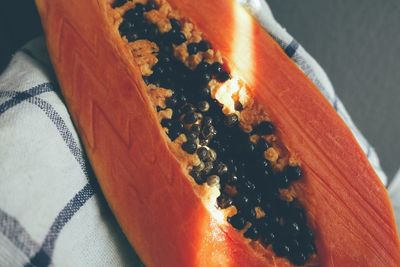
(154, 200)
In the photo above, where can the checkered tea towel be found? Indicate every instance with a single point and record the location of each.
(52, 212)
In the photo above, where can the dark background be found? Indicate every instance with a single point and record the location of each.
(358, 45)
(356, 42)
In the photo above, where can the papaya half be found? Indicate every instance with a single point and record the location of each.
(211, 146)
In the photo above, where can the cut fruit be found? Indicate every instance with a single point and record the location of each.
(212, 148)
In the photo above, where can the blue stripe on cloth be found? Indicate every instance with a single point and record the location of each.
(65, 133)
(17, 234)
(66, 214)
(22, 96)
(291, 49)
(8, 93)
(43, 257)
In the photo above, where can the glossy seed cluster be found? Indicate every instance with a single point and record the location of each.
(228, 159)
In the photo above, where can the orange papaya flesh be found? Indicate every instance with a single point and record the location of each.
(194, 58)
(337, 172)
(158, 207)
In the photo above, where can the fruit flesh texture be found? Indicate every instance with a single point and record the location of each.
(348, 205)
(277, 227)
(79, 39)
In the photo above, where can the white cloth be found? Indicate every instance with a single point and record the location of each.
(51, 209)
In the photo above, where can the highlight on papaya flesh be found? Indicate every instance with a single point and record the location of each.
(228, 140)
(194, 118)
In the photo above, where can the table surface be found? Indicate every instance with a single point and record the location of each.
(357, 43)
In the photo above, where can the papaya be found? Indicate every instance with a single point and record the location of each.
(210, 145)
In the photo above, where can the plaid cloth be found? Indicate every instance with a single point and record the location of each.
(51, 209)
(52, 212)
